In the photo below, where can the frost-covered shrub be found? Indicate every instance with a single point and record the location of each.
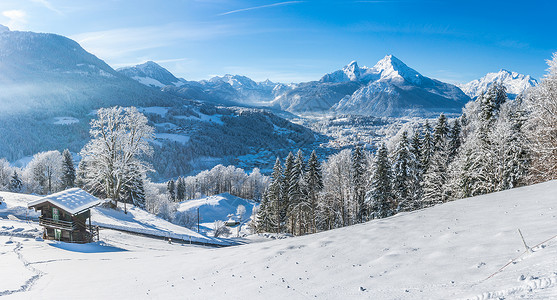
(185, 218)
(220, 229)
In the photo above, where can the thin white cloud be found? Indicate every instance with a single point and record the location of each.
(259, 7)
(115, 44)
(16, 18)
(49, 6)
(162, 61)
(143, 59)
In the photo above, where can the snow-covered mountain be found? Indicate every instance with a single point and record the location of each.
(51, 72)
(151, 74)
(515, 83)
(228, 89)
(51, 88)
(390, 88)
(248, 91)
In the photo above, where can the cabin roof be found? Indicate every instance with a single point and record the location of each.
(73, 200)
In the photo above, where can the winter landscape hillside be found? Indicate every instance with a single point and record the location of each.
(218, 150)
(401, 257)
(50, 99)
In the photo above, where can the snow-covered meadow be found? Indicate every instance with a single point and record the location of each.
(466, 249)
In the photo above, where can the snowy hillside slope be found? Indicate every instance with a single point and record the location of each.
(16, 204)
(140, 221)
(466, 249)
(216, 208)
(515, 83)
(136, 220)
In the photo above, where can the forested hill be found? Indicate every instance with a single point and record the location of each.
(51, 88)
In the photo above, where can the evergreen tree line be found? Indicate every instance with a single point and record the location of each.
(290, 203)
(480, 152)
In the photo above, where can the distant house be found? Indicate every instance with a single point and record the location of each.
(64, 215)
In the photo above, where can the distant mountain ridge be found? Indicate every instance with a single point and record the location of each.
(228, 89)
(389, 88)
(515, 83)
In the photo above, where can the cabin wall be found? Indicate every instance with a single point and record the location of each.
(80, 234)
(46, 212)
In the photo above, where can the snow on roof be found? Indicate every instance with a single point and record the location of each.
(73, 200)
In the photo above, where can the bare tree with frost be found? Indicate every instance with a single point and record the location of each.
(120, 139)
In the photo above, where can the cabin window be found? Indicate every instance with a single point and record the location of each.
(55, 214)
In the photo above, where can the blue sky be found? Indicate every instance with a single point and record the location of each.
(293, 41)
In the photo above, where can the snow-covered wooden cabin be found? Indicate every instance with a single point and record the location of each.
(64, 215)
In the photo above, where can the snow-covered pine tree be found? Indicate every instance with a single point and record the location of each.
(441, 132)
(492, 99)
(435, 179)
(133, 190)
(264, 221)
(15, 183)
(380, 197)
(68, 170)
(474, 171)
(297, 194)
(359, 167)
(455, 140)
(428, 146)
(171, 188)
(314, 180)
(403, 174)
(180, 189)
(541, 126)
(509, 146)
(416, 190)
(80, 174)
(275, 198)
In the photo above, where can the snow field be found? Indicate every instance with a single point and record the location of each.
(443, 252)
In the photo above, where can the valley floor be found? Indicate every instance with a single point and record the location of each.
(451, 251)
